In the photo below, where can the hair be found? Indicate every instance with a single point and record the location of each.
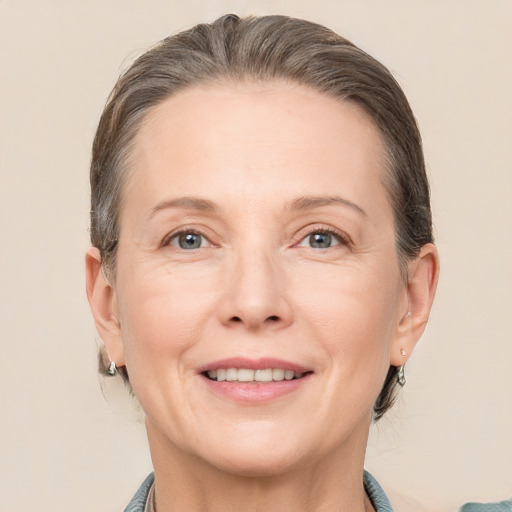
(263, 49)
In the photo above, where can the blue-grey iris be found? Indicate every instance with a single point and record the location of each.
(320, 240)
(189, 241)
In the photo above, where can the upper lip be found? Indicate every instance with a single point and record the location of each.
(253, 364)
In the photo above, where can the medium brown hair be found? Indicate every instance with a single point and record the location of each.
(268, 48)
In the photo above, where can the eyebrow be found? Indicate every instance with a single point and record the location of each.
(188, 203)
(301, 203)
(309, 202)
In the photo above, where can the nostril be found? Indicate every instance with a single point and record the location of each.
(270, 319)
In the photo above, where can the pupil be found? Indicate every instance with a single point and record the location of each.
(190, 241)
(320, 240)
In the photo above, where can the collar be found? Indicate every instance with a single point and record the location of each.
(374, 491)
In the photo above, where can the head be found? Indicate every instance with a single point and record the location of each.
(263, 66)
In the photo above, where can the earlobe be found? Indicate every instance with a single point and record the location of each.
(421, 289)
(102, 299)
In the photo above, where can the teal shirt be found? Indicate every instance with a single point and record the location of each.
(373, 490)
(502, 506)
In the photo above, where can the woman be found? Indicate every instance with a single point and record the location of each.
(262, 263)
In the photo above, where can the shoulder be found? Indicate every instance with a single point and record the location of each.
(502, 506)
(138, 502)
(377, 496)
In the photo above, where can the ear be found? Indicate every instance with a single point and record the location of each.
(423, 274)
(103, 302)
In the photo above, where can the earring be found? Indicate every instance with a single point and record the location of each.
(112, 370)
(400, 376)
(403, 352)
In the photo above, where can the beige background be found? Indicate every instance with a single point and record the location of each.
(62, 446)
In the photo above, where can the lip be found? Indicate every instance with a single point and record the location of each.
(254, 392)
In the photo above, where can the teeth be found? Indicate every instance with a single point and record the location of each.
(278, 374)
(246, 375)
(231, 374)
(263, 375)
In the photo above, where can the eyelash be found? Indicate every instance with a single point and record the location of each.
(193, 231)
(340, 237)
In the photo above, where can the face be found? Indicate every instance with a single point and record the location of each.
(257, 287)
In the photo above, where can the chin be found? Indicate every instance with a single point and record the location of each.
(254, 455)
(261, 466)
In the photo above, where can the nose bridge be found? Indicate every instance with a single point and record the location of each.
(255, 294)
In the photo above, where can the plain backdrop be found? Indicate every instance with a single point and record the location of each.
(67, 446)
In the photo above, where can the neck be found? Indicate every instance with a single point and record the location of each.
(184, 482)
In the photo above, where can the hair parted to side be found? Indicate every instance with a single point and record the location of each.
(266, 49)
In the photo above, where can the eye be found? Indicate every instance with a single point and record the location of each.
(321, 239)
(188, 240)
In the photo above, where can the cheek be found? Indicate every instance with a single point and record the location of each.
(162, 315)
(353, 316)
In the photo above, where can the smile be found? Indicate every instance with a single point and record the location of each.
(254, 381)
(249, 375)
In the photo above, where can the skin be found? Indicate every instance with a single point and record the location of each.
(278, 162)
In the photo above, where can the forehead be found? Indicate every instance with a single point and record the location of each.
(267, 138)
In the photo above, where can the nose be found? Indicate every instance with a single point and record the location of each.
(254, 294)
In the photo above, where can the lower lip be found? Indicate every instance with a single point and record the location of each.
(252, 392)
